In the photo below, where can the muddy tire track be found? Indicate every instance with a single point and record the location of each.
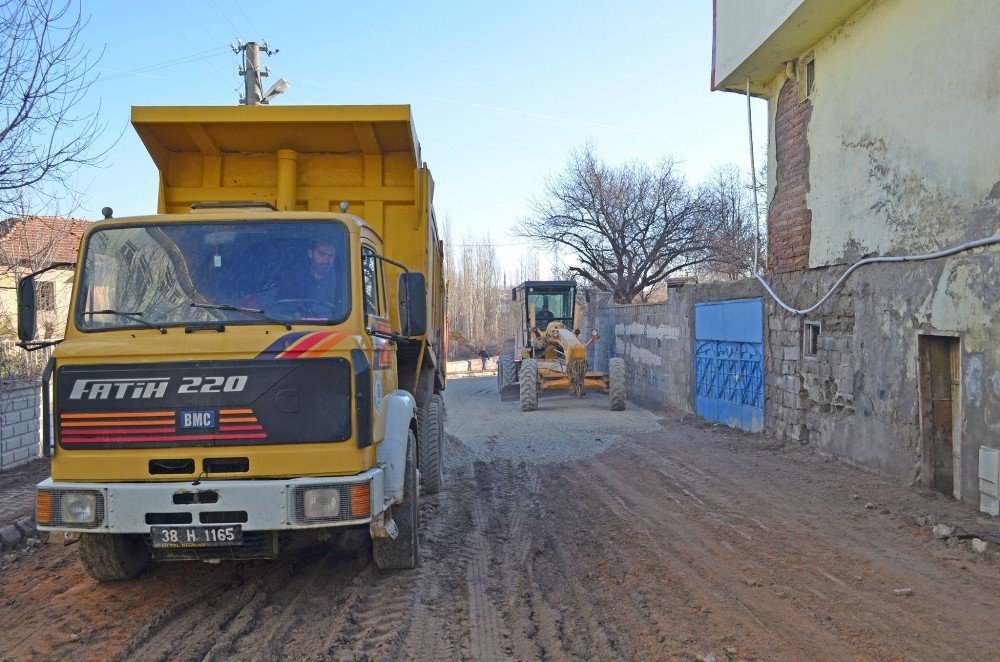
(677, 544)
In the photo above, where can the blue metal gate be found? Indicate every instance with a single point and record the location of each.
(728, 362)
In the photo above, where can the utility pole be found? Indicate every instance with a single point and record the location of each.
(252, 73)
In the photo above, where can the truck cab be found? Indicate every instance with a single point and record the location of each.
(236, 369)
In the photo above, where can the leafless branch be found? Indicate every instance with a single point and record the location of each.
(45, 72)
(628, 227)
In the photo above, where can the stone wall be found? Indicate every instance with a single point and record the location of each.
(20, 410)
(858, 397)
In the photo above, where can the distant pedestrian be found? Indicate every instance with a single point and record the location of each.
(483, 355)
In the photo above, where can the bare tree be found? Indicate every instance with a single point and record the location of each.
(628, 227)
(44, 135)
(729, 208)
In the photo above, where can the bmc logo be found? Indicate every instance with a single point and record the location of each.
(197, 419)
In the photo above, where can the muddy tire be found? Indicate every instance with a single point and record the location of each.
(403, 551)
(529, 385)
(113, 557)
(430, 445)
(506, 372)
(616, 383)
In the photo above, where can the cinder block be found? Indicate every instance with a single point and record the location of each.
(988, 504)
(791, 353)
(989, 464)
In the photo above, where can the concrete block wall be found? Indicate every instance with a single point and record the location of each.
(20, 432)
(656, 342)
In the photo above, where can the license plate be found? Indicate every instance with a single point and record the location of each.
(195, 536)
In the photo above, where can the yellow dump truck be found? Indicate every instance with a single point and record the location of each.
(264, 355)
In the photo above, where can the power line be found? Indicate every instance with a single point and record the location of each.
(218, 10)
(204, 55)
(249, 20)
(182, 36)
(203, 24)
(516, 243)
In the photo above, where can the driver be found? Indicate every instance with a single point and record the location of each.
(313, 279)
(544, 316)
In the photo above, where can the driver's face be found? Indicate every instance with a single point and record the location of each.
(321, 259)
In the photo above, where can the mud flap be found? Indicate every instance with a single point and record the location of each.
(392, 449)
(383, 527)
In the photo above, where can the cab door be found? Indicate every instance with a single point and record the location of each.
(382, 350)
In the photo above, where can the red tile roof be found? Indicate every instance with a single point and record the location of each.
(40, 240)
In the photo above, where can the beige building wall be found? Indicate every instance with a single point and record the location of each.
(904, 137)
(901, 147)
(51, 323)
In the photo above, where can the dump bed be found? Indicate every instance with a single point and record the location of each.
(306, 158)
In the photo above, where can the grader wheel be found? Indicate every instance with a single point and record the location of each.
(528, 378)
(506, 372)
(616, 383)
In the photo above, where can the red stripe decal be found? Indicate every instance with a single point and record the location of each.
(239, 428)
(299, 348)
(177, 437)
(118, 431)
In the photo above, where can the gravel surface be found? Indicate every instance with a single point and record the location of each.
(563, 429)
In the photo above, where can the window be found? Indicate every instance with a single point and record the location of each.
(810, 338)
(370, 277)
(247, 272)
(807, 75)
(45, 296)
(551, 304)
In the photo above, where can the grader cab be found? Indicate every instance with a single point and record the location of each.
(549, 354)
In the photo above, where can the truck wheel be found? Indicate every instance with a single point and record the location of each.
(112, 557)
(506, 372)
(529, 385)
(430, 445)
(402, 552)
(616, 383)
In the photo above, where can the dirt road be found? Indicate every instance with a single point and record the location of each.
(568, 533)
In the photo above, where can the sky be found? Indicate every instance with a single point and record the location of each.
(501, 92)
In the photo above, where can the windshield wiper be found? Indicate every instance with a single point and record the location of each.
(135, 316)
(257, 312)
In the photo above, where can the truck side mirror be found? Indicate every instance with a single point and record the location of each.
(586, 296)
(513, 294)
(26, 310)
(412, 304)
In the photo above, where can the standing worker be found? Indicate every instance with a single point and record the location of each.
(483, 355)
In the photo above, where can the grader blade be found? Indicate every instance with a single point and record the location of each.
(510, 392)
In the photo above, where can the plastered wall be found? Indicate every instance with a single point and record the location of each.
(904, 134)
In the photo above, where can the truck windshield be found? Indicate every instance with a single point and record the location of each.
(231, 273)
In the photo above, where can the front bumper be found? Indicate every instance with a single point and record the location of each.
(257, 505)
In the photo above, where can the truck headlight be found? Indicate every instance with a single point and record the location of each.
(78, 508)
(321, 503)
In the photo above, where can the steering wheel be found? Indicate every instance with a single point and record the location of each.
(302, 308)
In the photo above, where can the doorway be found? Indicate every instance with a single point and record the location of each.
(939, 400)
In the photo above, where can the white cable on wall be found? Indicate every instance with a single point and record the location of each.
(995, 239)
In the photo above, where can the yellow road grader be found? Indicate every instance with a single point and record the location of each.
(548, 352)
